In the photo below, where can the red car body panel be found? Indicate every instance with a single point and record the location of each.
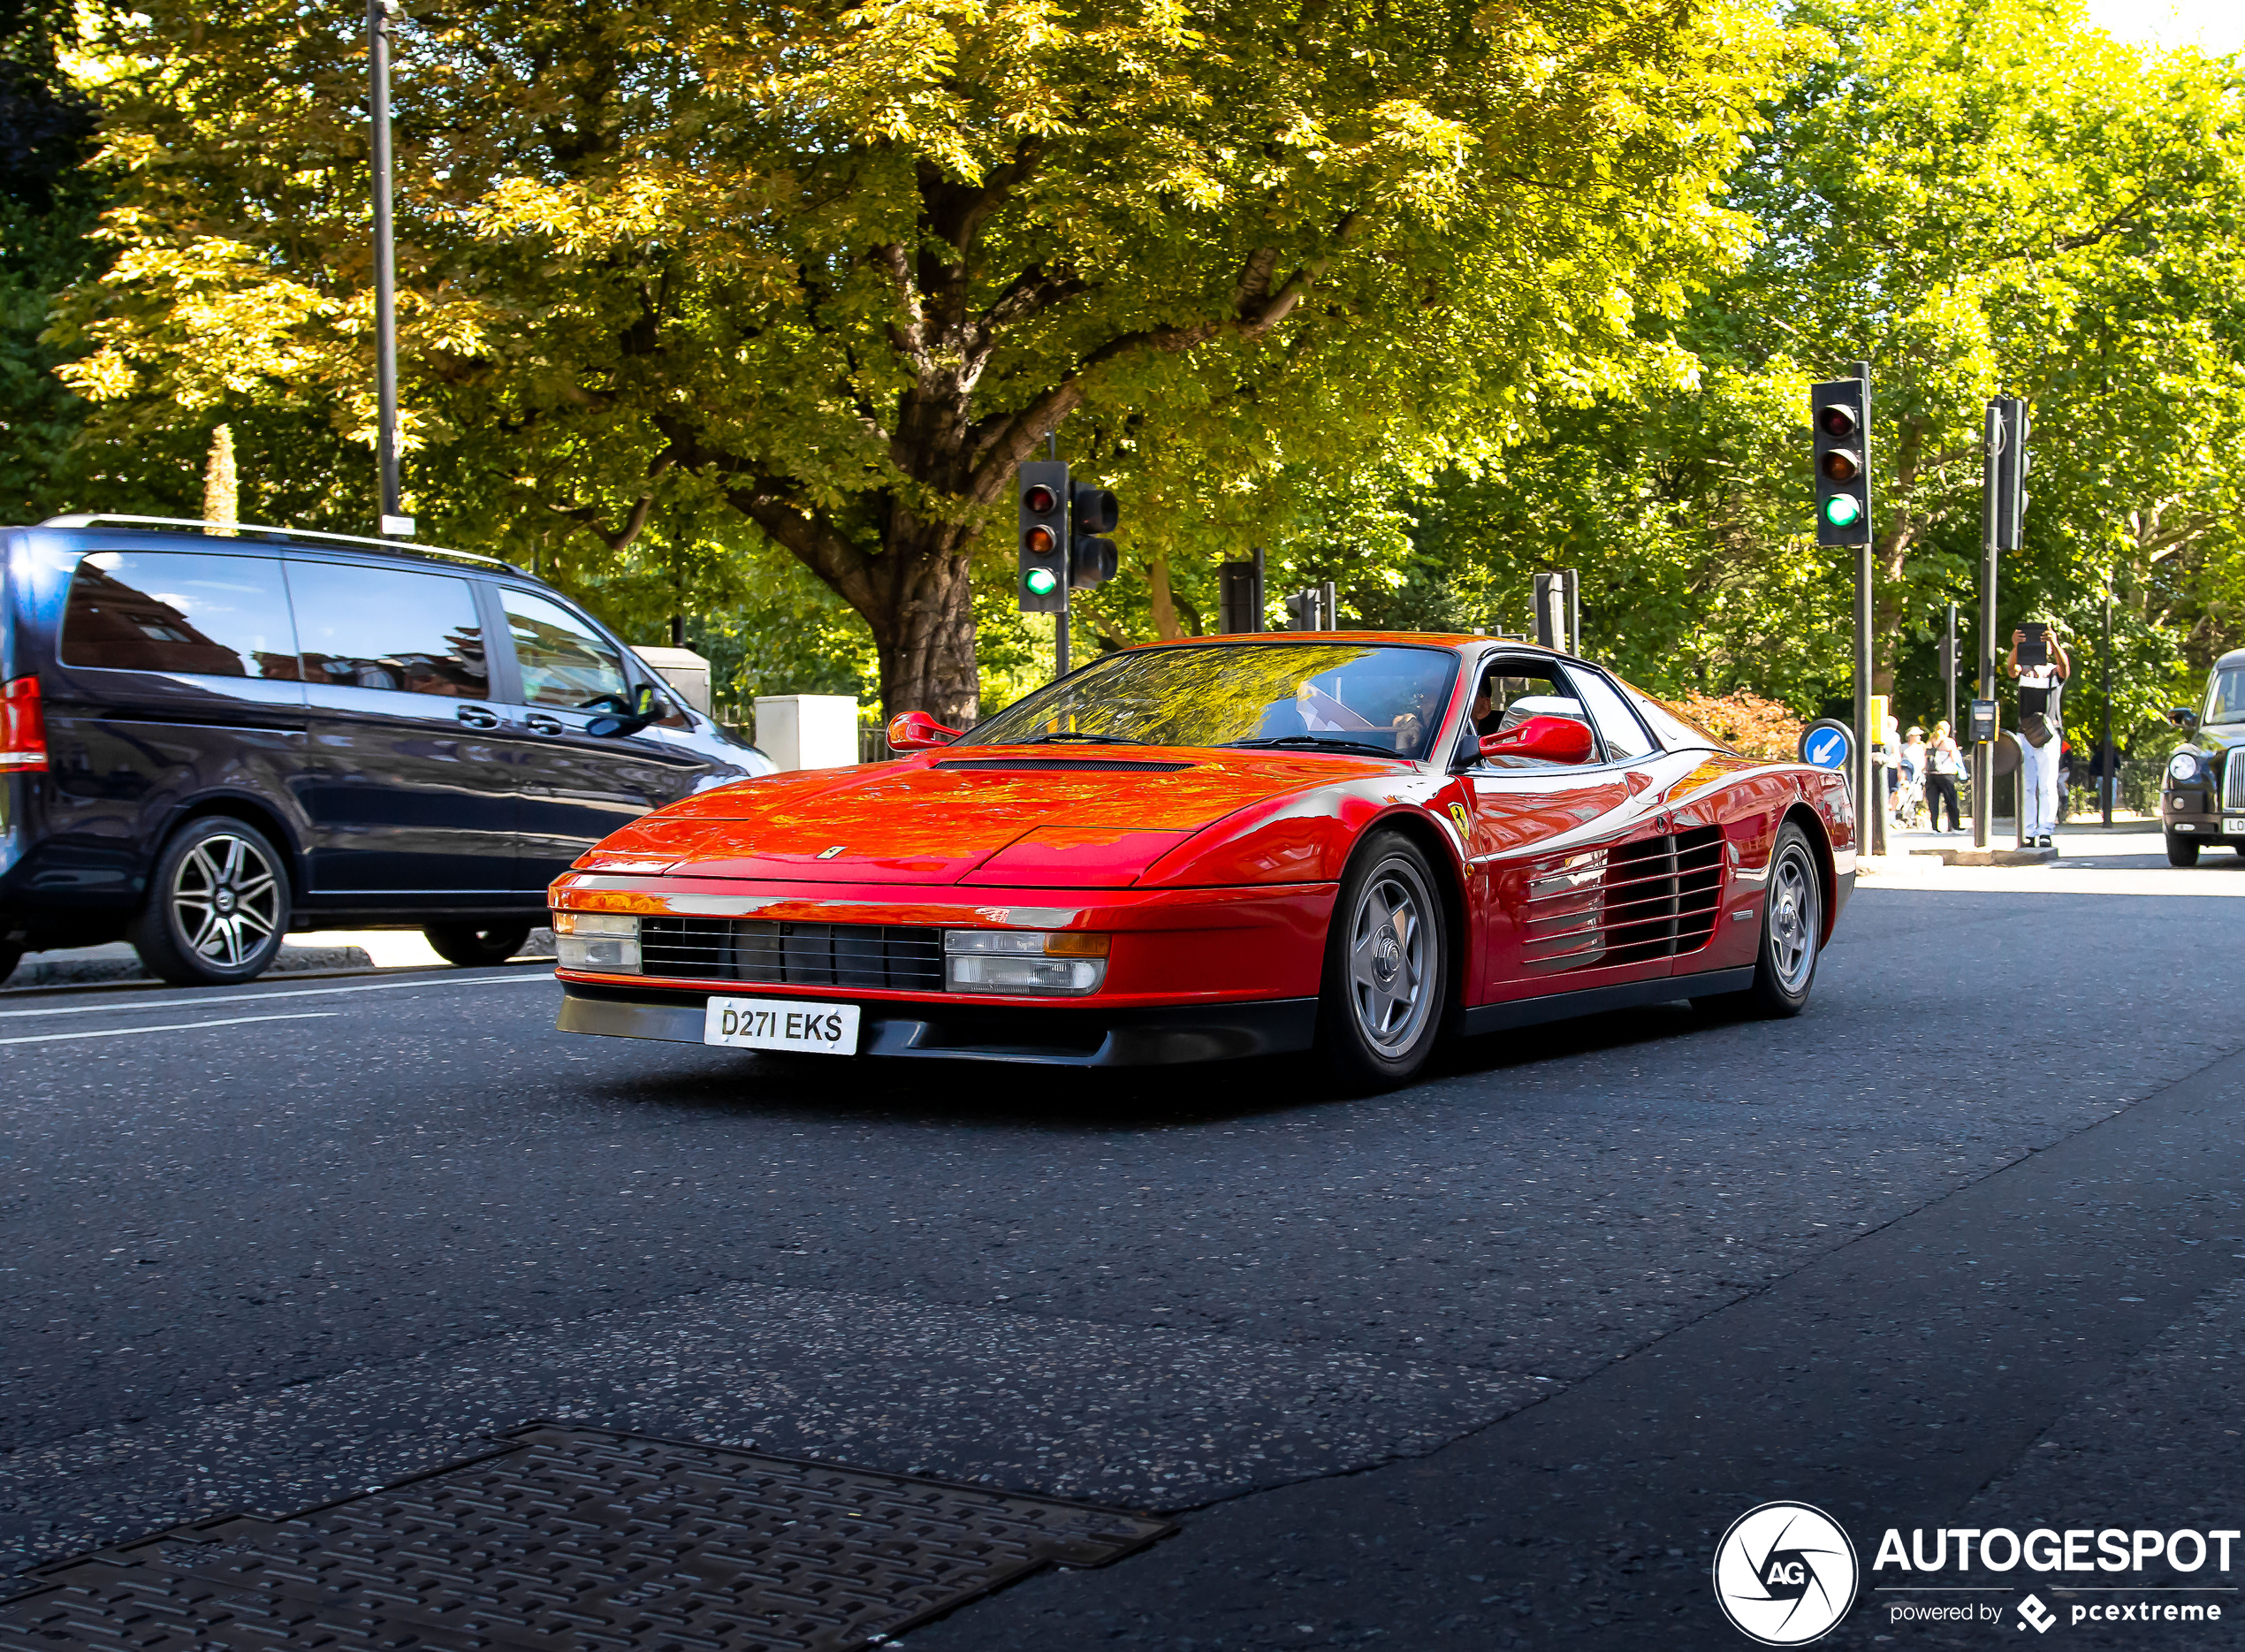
(1215, 871)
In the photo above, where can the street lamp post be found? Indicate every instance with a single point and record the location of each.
(380, 15)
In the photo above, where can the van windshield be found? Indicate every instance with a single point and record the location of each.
(2224, 696)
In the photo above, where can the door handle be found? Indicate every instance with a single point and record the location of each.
(538, 725)
(477, 717)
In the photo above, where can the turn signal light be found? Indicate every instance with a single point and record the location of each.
(23, 728)
(605, 941)
(1024, 961)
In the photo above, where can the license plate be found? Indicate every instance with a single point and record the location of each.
(781, 1024)
(2233, 823)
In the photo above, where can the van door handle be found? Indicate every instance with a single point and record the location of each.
(477, 717)
(538, 725)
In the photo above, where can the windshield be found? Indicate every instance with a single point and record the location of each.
(2225, 695)
(1346, 696)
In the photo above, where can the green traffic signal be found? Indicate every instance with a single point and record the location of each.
(1041, 581)
(1842, 511)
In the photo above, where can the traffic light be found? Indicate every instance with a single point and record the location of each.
(1042, 585)
(1840, 412)
(1095, 512)
(2013, 462)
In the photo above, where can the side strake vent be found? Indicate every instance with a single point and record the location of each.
(1655, 898)
(1081, 766)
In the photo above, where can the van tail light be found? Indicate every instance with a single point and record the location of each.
(23, 730)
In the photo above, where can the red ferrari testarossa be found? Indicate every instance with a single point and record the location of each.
(1353, 842)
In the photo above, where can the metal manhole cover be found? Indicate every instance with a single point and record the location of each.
(576, 1538)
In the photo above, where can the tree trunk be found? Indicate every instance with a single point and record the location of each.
(1165, 607)
(923, 625)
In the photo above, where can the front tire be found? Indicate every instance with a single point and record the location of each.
(1386, 968)
(218, 906)
(469, 945)
(2181, 852)
(1793, 932)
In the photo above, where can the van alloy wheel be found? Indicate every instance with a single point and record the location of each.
(225, 900)
(218, 903)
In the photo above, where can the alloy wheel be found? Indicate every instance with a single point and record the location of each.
(1794, 920)
(1391, 971)
(225, 901)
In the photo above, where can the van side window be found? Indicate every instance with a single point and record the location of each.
(379, 628)
(563, 661)
(214, 616)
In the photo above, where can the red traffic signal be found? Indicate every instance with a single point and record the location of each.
(1038, 498)
(1838, 421)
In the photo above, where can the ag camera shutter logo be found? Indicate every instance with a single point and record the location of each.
(1786, 1573)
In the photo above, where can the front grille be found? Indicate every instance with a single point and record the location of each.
(881, 956)
(2232, 782)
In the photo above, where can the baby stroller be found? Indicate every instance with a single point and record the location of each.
(1909, 799)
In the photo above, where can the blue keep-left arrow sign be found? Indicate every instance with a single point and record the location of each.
(1826, 747)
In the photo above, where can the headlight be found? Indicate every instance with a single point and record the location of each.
(2184, 766)
(605, 941)
(1024, 961)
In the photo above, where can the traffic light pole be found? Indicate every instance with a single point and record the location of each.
(2105, 767)
(379, 13)
(1870, 804)
(1984, 751)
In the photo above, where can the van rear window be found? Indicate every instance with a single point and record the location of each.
(210, 615)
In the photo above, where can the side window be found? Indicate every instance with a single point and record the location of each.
(1626, 735)
(379, 627)
(215, 616)
(563, 661)
(1510, 692)
(1673, 731)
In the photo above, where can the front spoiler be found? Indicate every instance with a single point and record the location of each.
(1062, 1036)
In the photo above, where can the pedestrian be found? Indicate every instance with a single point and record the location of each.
(1942, 763)
(2040, 731)
(1912, 776)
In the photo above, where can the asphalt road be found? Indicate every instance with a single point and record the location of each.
(1489, 1362)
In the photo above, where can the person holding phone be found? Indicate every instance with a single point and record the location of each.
(2041, 736)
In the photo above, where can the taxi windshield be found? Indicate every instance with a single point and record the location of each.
(2225, 695)
(1382, 700)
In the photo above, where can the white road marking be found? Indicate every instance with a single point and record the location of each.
(259, 998)
(176, 1026)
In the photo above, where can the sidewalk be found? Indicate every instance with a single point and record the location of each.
(2130, 857)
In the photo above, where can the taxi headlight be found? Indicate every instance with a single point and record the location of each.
(1024, 961)
(2184, 767)
(605, 941)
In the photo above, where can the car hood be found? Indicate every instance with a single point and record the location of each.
(994, 816)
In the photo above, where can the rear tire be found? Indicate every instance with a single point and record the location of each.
(2181, 852)
(469, 945)
(1387, 968)
(218, 905)
(1792, 932)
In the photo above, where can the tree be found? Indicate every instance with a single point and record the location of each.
(835, 270)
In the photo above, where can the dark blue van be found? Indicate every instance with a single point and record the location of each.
(212, 735)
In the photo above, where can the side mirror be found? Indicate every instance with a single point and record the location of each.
(1547, 739)
(646, 709)
(2183, 717)
(917, 731)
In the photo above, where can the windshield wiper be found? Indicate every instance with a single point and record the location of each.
(1071, 734)
(1328, 741)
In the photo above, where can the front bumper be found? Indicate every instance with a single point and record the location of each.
(1061, 1036)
